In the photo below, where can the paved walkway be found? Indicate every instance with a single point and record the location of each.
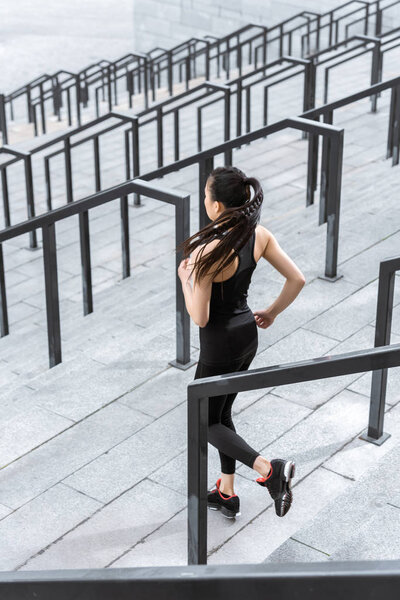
(93, 451)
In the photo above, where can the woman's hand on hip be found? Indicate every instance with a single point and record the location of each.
(263, 318)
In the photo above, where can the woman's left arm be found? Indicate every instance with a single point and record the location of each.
(197, 298)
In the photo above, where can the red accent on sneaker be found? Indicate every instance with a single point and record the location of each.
(220, 493)
(263, 479)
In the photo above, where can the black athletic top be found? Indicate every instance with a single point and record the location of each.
(231, 331)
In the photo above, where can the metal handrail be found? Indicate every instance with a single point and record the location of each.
(200, 390)
(348, 580)
(143, 69)
(81, 208)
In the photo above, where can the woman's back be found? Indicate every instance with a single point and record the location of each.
(231, 331)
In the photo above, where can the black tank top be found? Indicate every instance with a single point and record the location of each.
(231, 331)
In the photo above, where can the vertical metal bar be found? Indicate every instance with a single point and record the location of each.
(227, 59)
(30, 198)
(146, 83)
(389, 151)
(78, 99)
(375, 72)
(48, 182)
(239, 108)
(248, 109)
(35, 124)
(280, 40)
(239, 59)
(199, 128)
(333, 204)
(366, 19)
(330, 28)
(127, 155)
(3, 119)
(29, 103)
(68, 168)
(69, 109)
(170, 76)
(51, 286)
(378, 21)
(187, 71)
(176, 133)
(109, 88)
(85, 262)
(396, 129)
(206, 165)
(126, 261)
(227, 125)
(182, 232)
(6, 202)
(42, 108)
(160, 143)
(265, 115)
(4, 329)
(197, 479)
(135, 156)
(312, 166)
(115, 86)
(207, 60)
(383, 325)
(318, 32)
(324, 184)
(97, 174)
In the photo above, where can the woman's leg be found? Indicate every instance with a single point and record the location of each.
(221, 431)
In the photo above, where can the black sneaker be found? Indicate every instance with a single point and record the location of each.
(228, 505)
(278, 484)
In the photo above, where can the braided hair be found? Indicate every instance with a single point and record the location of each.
(235, 225)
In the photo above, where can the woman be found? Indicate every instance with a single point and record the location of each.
(224, 255)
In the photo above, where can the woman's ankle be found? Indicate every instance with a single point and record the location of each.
(262, 466)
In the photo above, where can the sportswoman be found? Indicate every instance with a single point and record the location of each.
(223, 256)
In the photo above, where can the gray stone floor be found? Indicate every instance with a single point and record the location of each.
(93, 451)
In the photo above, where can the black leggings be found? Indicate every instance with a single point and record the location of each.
(221, 430)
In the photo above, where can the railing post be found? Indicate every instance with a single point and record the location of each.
(6, 203)
(182, 232)
(394, 126)
(309, 88)
(47, 177)
(333, 206)
(239, 108)
(312, 166)
(97, 173)
(3, 120)
(30, 198)
(206, 165)
(135, 155)
(160, 149)
(375, 71)
(51, 286)
(324, 183)
(378, 20)
(78, 99)
(86, 262)
(197, 479)
(126, 260)
(68, 169)
(176, 134)
(4, 330)
(383, 324)
(227, 124)
(170, 74)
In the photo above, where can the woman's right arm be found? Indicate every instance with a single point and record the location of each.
(295, 280)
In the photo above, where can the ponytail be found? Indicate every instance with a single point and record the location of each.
(230, 186)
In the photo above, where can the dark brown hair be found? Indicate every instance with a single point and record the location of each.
(230, 186)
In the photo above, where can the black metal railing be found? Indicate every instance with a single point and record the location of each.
(383, 326)
(377, 359)
(348, 580)
(150, 72)
(47, 224)
(200, 390)
(235, 89)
